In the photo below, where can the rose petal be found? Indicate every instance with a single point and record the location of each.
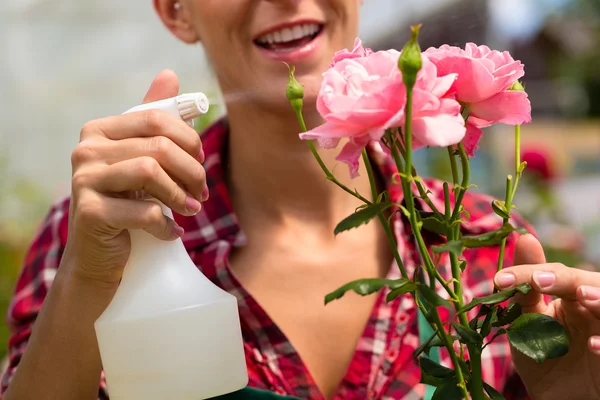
(471, 140)
(351, 153)
(509, 107)
(439, 131)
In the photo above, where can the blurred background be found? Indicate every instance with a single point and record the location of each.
(66, 62)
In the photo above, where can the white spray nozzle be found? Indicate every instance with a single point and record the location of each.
(185, 106)
(192, 105)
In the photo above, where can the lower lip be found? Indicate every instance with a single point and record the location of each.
(296, 55)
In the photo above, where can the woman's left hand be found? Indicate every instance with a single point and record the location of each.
(577, 307)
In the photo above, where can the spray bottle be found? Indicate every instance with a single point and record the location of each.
(169, 332)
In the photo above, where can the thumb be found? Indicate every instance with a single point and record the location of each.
(528, 250)
(528, 255)
(164, 86)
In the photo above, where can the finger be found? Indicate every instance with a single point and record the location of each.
(150, 123)
(164, 86)
(552, 279)
(122, 214)
(143, 174)
(594, 345)
(184, 169)
(528, 251)
(589, 298)
(146, 215)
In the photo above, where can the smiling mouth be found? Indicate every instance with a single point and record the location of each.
(289, 39)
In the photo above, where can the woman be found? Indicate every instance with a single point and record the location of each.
(280, 257)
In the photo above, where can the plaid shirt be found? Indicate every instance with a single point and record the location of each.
(382, 366)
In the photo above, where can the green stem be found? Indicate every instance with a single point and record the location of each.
(386, 227)
(476, 381)
(409, 198)
(510, 193)
(466, 175)
(453, 166)
(517, 147)
(448, 342)
(410, 204)
(328, 174)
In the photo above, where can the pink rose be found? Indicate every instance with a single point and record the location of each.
(361, 97)
(484, 77)
(357, 52)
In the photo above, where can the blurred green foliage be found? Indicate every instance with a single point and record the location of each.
(22, 206)
(582, 22)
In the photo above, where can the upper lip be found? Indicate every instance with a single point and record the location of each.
(278, 27)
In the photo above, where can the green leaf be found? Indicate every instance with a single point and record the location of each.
(496, 297)
(468, 335)
(539, 337)
(493, 393)
(436, 342)
(399, 289)
(366, 286)
(500, 209)
(475, 323)
(424, 346)
(462, 265)
(433, 298)
(434, 223)
(361, 217)
(522, 167)
(467, 214)
(508, 315)
(404, 211)
(448, 391)
(383, 197)
(484, 240)
(490, 238)
(488, 321)
(433, 373)
(499, 333)
(453, 246)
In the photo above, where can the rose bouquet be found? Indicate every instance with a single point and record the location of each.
(402, 101)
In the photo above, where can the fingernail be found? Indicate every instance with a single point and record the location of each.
(595, 344)
(205, 194)
(201, 155)
(505, 280)
(544, 279)
(192, 205)
(178, 231)
(590, 293)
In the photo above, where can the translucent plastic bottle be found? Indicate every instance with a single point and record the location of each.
(170, 333)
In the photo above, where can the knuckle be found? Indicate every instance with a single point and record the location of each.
(88, 129)
(177, 197)
(83, 151)
(80, 179)
(161, 145)
(154, 215)
(148, 169)
(89, 208)
(155, 120)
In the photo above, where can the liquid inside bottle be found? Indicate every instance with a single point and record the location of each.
(169, 333)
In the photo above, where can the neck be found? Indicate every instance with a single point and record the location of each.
(274, 177)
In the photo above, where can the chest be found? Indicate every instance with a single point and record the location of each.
(290, 283)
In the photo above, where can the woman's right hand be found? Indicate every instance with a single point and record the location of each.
(117, 158)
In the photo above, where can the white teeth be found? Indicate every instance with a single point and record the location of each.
(289, 34)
